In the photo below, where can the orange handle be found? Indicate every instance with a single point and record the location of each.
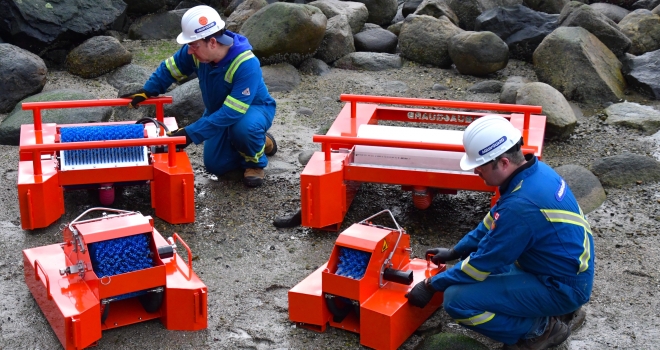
(37, 264)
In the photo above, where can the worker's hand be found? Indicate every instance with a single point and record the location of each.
(180, 132)
(421, 294)
(442, 255)
(138, 96)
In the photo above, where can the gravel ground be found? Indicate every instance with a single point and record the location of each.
(248, 265)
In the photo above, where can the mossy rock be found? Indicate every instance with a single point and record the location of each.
(450, 341)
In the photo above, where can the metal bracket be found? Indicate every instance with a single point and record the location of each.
(78, 268)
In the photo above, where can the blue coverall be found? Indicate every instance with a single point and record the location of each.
(239, 109)
(533, 257)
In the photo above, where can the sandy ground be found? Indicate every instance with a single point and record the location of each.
(249, 265)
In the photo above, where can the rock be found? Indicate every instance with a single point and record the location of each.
(281, 77)
(165, 25)
(478, 53)
(376, 40)
(656, 10)
(510, 88)
(643, 73)
(611, 11)
(396, 29)
(305, 111)
(410, 6)
(305, 156)
(381, 12)
(371, 61)
(185, 4)
(633, 115)
(561, 120)
(521, 28)
(395, 86)
(127, 74)
(643, 29)
(626, 169)
(10, 129)
(434, 48)
(467, 11)
(585, 71)
(97, 56)
(187, 104)
(355, 12)
(337, 41)
(551, 6)
(244, 11)
(284, 32)
(142, 7)
(437, 9)
(577, 14)
(645, 4)
(33, 26)
(585, 186)
(134, 114)
(24, 74)
(488, 86)
(439, 87)
(450, 341)
(314, 66)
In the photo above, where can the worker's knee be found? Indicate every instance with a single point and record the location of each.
(453, 301)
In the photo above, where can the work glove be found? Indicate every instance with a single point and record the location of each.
(442, 255)
(421, 294)
(138, 97)
(180, 132)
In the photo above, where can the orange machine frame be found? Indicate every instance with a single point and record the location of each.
(41, 182)
(73, 301)
(381, 315)
(330, 180)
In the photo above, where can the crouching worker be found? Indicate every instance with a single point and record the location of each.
(239, 109)
(529, 266)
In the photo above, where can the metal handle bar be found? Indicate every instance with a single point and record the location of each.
(388, 261)
(36, 277)
(175, 238)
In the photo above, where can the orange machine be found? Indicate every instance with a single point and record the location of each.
(113, 271)
(48, 165)
(362, 287)
(357, 149)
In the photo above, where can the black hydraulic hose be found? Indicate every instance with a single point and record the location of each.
(144, 120)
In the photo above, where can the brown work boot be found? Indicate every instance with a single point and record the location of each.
(575, 319)
(271, 146)
(253, 177)
(555, 333)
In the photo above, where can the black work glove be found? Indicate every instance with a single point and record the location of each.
(421, 294)
(138, 97)
(180, 132)
(442, 255)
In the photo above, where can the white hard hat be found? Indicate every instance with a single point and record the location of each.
(200, 22)
(486, 138)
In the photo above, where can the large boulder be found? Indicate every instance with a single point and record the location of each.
(585, 186)
(244, 11)
(561, 120)
(509, 91)
(434, 49)
(371, 61)
(338, 40)
(478, 53)
(577, 14)
(437, 9)
(635, 116)
(355, 12)
(187, 104)
(521, 28)
(128, 74)
(24, 74)
(284, 32)
(376, 40)
(141, 7)
(10, 129)
(467, 11)
(643, 29)
(165, 25)
(626, 169)
(586, 70)
(97, 56)
(381, 12)
(281, 77)
(643, 73)
(39, 26)
(547, 6)
(611, 11)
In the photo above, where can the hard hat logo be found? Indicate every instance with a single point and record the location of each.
(492, 146)
(201, 29)
(203, 20)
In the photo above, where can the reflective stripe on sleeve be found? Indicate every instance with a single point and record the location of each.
(229, 76)
(174, 70)
(488, 221)
(477, 320)
(567, 217)
(236, 105)
(472, 272)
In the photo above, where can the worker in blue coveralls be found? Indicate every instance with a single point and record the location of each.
(529, 266)
(239, 109)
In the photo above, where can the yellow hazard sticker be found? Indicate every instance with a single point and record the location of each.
(385, 246)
